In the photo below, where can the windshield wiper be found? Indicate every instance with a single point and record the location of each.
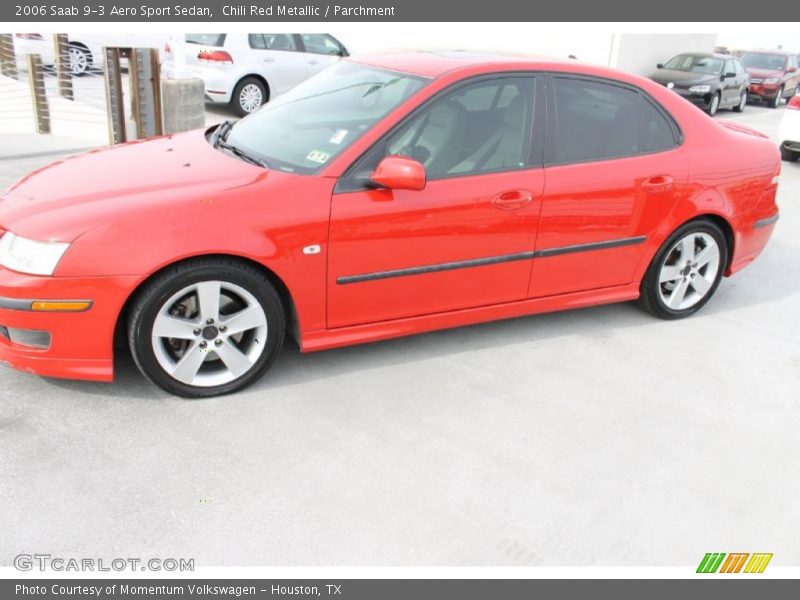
(221, 134)
(244, 155)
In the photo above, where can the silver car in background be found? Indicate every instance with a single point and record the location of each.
(246, 70)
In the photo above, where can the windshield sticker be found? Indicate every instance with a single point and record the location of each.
(318, 156)
(338, 137)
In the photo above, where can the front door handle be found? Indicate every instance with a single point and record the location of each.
(268, 59)
(512, 199)
(313, 62)
(657, 183)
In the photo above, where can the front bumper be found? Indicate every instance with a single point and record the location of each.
(81, 344)
(701, 100)
(760, 91)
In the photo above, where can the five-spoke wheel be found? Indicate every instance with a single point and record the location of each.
(205, 328)
(686, 270)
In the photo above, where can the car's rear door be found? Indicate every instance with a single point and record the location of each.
(614, 170)
(280, 59)
(321, 50)
(466, 240)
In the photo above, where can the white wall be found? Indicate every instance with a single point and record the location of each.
(640, 52)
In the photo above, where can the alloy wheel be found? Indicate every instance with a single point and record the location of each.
(712, 109)
(209, 334)
(689, 271)
(78, 61)
(250, 98)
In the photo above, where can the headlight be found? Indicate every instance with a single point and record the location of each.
(700, 89)
(772, 80)
(29, 256)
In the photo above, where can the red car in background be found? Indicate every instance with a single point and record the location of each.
(773, 75)
(386, 196)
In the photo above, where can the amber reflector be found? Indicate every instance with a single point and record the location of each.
(61, 305)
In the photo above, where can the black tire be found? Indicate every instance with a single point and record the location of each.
(788, 155)
(714, 107)
(236, 98)
(80, 68)
(153, 296)
(650, 298)
(742, 102)
(774, 102)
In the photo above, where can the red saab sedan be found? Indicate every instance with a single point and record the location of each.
(383, 197)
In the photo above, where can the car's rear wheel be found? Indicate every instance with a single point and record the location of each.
(206, 328)
(713, 105)
(686, 271)
(80, 60)
(742, 101)
(774, 102)
(248, 96)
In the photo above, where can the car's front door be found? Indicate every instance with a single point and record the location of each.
(280, 60)
(730, 84)
(466, 240)
(614, 171)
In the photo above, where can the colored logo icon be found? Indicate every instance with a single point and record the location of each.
(736, 562)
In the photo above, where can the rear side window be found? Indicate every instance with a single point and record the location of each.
(272, 41)
(319, 43)
(594, 121)
(206, 39)
(656, 131)
(600, 121)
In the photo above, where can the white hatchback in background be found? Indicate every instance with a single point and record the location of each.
(789, 130)
(246, 70)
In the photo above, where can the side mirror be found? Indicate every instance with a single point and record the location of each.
(730, 74)
(791, 70)
(659, 66)
(399, 173)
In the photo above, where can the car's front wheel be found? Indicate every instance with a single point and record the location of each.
(80, 60)
(686, 271)
(774, 102)
(713, 105)
(742, 102)
(206, 327)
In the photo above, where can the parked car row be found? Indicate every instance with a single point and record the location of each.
(713, 81)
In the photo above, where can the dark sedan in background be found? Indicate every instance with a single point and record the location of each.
(710, 81)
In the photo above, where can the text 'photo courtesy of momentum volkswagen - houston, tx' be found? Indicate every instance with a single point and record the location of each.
(385, 196)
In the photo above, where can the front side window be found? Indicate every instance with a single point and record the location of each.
(477, 128)
(695, 64)
(770, 62)
(305, 128)
(729, 67)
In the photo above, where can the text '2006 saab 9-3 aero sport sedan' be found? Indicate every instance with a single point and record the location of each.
(383, 197)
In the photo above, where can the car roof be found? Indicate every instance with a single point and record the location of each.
(434, 64)
(778, 52)
(708, 55)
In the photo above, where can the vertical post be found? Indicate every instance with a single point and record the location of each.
(114, 101)
(145, 82)
(8, 60)
(63, 70)
(41, 111)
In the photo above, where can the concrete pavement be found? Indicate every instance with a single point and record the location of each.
(592, 437)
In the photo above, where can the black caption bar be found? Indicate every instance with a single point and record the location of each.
(391, 10)
(701, 588)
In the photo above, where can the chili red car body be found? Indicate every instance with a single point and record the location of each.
(132, 210)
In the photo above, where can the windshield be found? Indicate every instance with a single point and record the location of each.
(771, 62)
(695, 64)
(309, 125)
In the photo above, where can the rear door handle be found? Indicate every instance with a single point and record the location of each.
(512, 199)
(657, 183)
(313, 62)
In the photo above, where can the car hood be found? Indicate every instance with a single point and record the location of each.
(682, 78)
(764, 73)
(64, 199)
